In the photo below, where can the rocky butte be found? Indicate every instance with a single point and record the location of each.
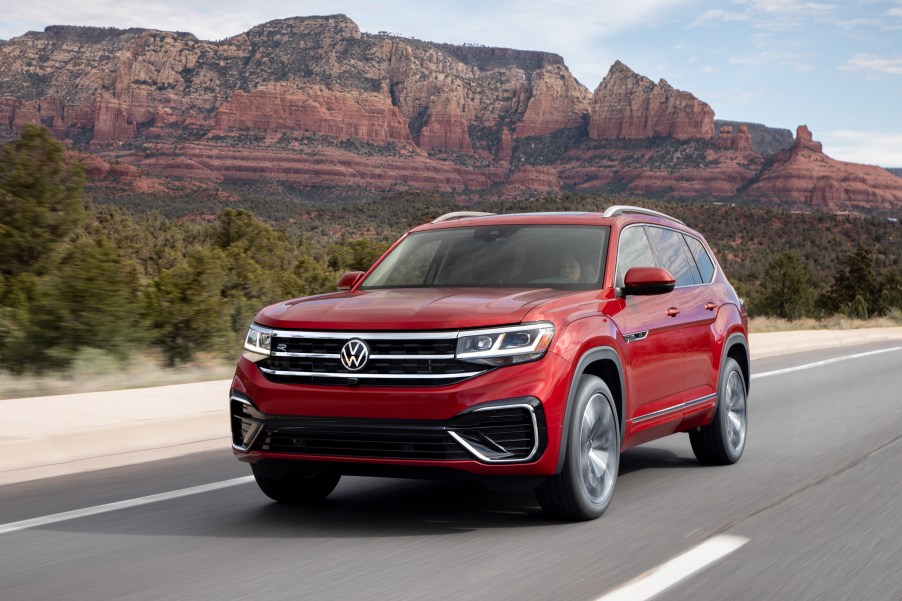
(315, 103)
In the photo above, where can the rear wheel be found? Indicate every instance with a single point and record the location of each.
(585, 486)
(286, 486)
(722, 441)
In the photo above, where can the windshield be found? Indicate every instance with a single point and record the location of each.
(509, 256)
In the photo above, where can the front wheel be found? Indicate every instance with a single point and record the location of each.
(722, 441)
(294, 487)
(585, 486)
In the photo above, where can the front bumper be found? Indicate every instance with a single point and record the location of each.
(505, 422)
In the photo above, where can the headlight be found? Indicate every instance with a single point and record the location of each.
(505, 346)
(257, 343)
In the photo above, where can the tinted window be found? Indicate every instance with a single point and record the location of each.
(635, 251)
(704, 262)
(524, 256)
(415, 267)
(672, 254)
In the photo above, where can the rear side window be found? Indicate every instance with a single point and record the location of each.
(702, 259)
(635, 251)
(672, 253)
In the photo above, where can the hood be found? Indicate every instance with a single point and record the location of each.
(407, 309)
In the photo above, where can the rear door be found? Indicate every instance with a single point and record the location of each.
(693, 309)
(700, 304)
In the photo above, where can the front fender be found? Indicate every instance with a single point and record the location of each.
(584, 342)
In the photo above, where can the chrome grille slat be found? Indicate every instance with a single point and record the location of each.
(394, 359)
(354, 376)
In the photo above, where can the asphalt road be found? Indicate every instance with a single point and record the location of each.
(818, 494)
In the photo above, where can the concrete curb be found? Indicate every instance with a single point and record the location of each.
(65, 434)
(125, 444)
(773, 344)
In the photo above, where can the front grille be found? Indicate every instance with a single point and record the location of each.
(394, 359)
(333, 346)
(490, 434)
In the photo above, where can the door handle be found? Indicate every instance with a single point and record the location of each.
(673, 312)
(710, 306)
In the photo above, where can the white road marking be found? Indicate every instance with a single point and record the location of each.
(659, 579)
(787, 370)
(80, 513)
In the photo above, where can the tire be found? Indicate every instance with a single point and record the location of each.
(722, 441)
(585, 486)
(294, 487)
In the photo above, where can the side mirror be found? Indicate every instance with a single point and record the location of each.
(648, 280)
(347, 281)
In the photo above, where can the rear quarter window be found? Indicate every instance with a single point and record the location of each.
(702, 259)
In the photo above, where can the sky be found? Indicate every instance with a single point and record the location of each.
(835, 66)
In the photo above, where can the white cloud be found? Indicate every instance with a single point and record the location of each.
(716, 16)
(790, 7)
(205, 19)
(871, 63)
(772, 15)
(795, 60)
(868, 147)
(894, 12)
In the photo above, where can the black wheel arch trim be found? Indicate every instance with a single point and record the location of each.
(590, 356)
(740, 339)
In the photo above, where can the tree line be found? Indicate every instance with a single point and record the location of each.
(74, 277)
(77, 278)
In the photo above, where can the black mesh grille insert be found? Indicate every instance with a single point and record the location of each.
(506, 434)
(353, 438)
(499, 434)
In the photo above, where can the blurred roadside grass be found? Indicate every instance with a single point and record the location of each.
(760, 325)
(94, 370)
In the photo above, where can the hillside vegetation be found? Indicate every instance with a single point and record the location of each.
(83, 283)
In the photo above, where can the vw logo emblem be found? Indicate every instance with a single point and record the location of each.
(354, 354)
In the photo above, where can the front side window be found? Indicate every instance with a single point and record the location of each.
(635, 251)
(513, 256)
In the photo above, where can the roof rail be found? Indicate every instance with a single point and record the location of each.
(621, 209)
(460, 215)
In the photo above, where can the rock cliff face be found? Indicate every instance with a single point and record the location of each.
(765, 140)
(741, 142)
(803, 174)
(315, 103)
(628, 105)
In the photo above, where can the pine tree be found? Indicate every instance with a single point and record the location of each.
(186, 309)
(856, 278)
(787, 288)
(40, 200)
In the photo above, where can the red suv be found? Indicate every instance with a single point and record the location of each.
(524, 350)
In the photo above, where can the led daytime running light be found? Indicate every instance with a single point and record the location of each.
(258, 342)
(505, 346)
